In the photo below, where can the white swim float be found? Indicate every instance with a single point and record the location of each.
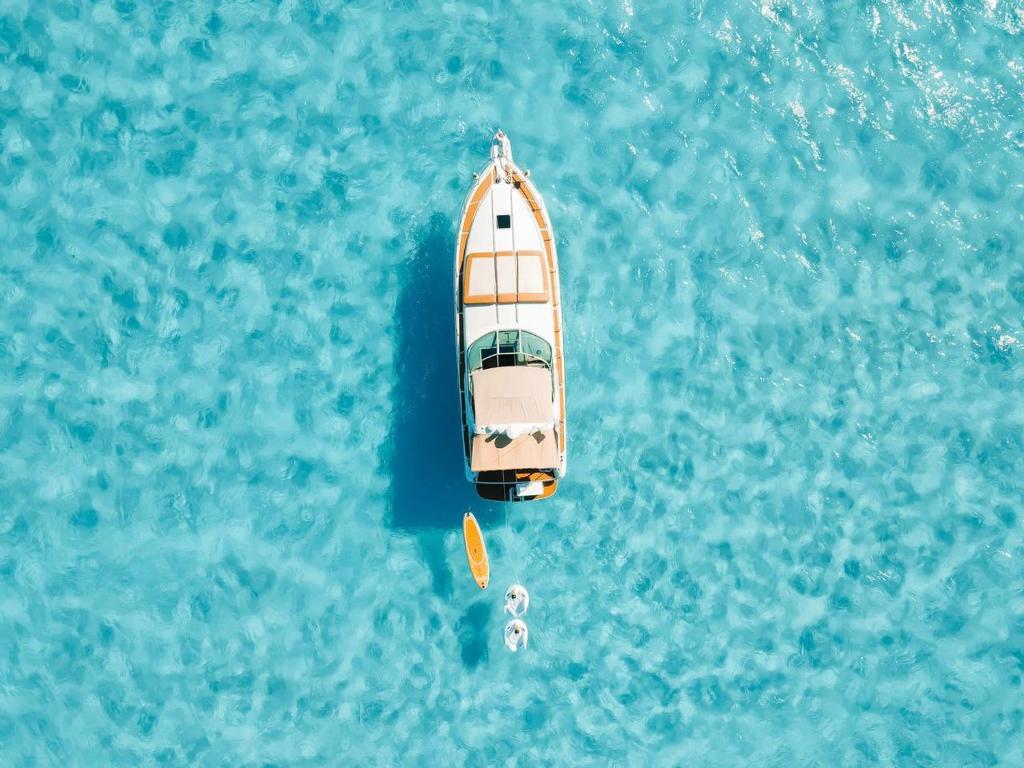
(517, 600)
(516, 635)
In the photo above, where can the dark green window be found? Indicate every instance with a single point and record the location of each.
(508, 348)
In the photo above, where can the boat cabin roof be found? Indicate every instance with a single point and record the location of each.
(512, 395)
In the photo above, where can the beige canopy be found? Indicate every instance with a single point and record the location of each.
(533, 451)
(512, 395)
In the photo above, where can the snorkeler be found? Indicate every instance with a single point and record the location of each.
(517, 600)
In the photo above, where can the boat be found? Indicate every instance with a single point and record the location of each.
(509, 335)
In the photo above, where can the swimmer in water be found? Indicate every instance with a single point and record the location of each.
(516, 635)
(517, 600)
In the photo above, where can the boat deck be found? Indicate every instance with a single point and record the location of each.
(507, 278)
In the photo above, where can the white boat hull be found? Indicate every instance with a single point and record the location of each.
(507, 279)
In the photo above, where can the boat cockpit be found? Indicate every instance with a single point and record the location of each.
(499, 349)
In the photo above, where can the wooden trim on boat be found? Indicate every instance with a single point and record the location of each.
(549, 481)
(465, 225)
(556, 296)
(470, 214)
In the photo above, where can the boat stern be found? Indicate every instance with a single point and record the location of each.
(515, 485)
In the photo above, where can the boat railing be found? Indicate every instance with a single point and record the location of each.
(501, 153)
(526, 356)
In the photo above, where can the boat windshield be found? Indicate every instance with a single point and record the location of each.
(504, 348)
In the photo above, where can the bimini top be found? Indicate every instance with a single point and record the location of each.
(512, 400)
(514, 419)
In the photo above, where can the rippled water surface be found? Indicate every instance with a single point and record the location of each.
(230, 482)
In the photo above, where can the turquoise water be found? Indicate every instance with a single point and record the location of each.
(230, 481)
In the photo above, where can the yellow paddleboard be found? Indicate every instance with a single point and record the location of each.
(476, 551)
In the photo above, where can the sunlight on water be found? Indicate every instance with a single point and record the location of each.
(230, 470)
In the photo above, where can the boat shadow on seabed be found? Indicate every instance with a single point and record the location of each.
(429, 490)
